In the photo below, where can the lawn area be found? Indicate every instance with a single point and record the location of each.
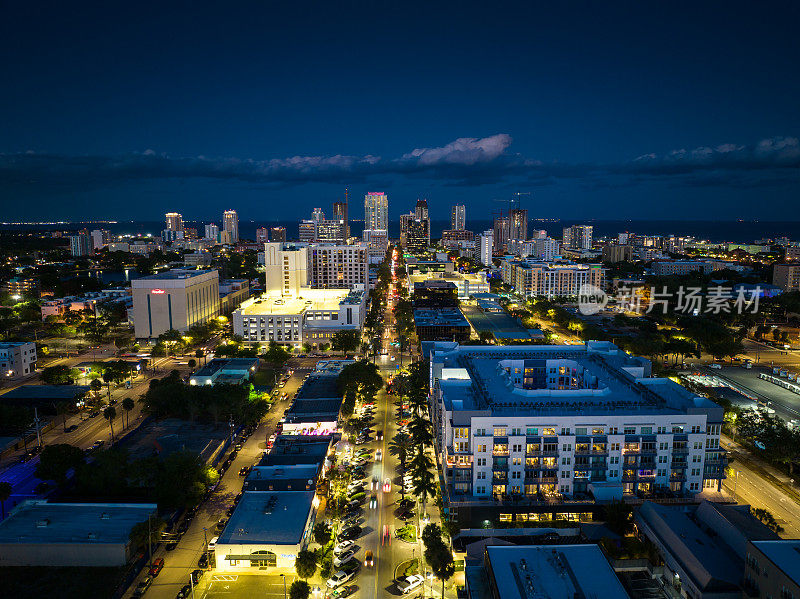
(407, 533)
(65, 583)
(265, 376)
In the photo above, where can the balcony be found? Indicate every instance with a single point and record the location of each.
(680, 451)
(500, 452)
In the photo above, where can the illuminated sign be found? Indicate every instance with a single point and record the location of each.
(158, 291)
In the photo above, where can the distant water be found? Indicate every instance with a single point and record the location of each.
(715, 231)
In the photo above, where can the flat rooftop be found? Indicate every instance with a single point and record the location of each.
(174, 274)
(309, 299)
(608, 381)
(548, 572)
(268, 518)
(42, 522)
(320, 385)
(294, 449)
(282, 477)
(232, 364)
(429, 317)
(46, 392)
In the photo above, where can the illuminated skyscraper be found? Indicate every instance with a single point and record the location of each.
(230, 223)
(174, 221)
(376, 210)
(458, 218)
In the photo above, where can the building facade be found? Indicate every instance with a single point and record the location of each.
(532, 278)
(458, 217)
(230, 223)
(174, 221)
(786, 276)
(577, 237)
(376, 210)
(17, 359)
(338, 266)
(486, 245)
(174, 299)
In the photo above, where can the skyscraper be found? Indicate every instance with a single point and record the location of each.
(318, 215)
(340, 214)
(485, 241)
(212, 232)
(174, 221)
(80, 244)
(277, 234)
(376, 210)
(501, 227)
(405, 226)
(230, 223)
(577, 237)
(458, 218)
(422, 225)
(262, 236)
(518, 224)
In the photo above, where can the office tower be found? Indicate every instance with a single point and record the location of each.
(452, 238)
(376, 210)
(100, 238)
(338, 266)
(80, 244)
(174, 221)
(278, 234)
(458, 218)
(486, 241)
(577, 237)
(174, 299)
(340, 214)
(307, 231)
(501, 226)
(421, 209)
(262, 235)
(212, 232)
(405, 225)
(331, 231)
(317, 215)
(378, 242)
(418, 236)
(230, 223)
(422, 224)
(518, 224)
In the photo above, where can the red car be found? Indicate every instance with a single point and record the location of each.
(156, 566)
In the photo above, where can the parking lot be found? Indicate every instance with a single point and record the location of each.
(785, 403)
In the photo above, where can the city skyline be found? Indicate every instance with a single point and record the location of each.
(592, 127)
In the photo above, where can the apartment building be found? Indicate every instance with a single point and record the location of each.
(17, 359)
(338, 266)
(577, 237)
(786, 276)
(532, 278)
(566, 422)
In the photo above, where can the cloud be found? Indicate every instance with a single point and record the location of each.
(467, 161)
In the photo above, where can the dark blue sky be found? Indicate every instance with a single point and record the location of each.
(620, 110)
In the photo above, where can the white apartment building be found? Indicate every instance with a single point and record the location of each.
(458, 217)
(567, 422)
(531, 278)
(485, 242)
(174, 299)
(577, 237)
(378, 242)
(376, 210)
(17, 359)
(546, 248)
(312, 316)
(286, 270)
(212, 232)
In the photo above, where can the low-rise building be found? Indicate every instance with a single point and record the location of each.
(685, 267)
(543, 571)
(313, 316)
(467, 284)
(90, 301)
(225, 371)
(232, 292)
(772, 569)
(39, 533)
(532, 278)
(315, 410)
(27, 287)
(787, 276)
(17, 359)
(441, 324)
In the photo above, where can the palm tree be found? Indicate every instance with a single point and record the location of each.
(5, 493)
(109, 414)
(423, 484)
(401, 446)
(127, 405)
(420, 430)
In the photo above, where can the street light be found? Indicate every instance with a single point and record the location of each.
(284, 585)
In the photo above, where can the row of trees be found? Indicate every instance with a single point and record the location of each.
(438, 554)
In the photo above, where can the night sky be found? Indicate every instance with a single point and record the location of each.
(600, 110)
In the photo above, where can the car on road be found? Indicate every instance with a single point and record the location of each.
(142, 587)
(715, 366)
(98, 444)
(373, 501)
(212, 544)
(185, 592)
(244, 470)
(406, 584)
(197, 575)
(339, 578)
(341, 559)
(220, 525)
(343, 547)
(369, 561)
(350, 533)
(379, 435)
(387, 485)
(378, 455)
(203, 561)
(156, 566)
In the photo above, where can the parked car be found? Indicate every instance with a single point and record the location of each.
(185, 592)
(343, 547)
(343, 558)
(339, 578)
(406, 584)
(203, 561)
(350, 533)
(142, 587)
(212, 544)
(156, 566)
(244, 470)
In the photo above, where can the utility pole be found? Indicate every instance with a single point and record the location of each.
(37, 421)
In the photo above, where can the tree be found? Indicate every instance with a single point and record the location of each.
(423, 484)
(438, 554)
(400, 446)
(276, 354)
(322, 533)
(96, 386)
(306, 563)
(109, 414)
(127, 405)
(345, 341)
(59, 375)
(300, 589)
(192, 363)
(618, 517)
(57, 460)
(147, 533)
(5, 493)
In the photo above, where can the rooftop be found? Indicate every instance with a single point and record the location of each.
(264, 517)
(226, 364)
(293, 449)
(428, 317)
(58, 523)
(595, 378)
(547, 572)
(282, 477)
(175, 273)
(785, 554)
(309, 299)
(46, 392)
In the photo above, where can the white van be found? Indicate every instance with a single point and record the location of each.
(212, 544)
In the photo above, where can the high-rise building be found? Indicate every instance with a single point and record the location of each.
(378, 242)
(577, 237)
(262, 236)
(277, 234)
(230, 223)
(376, 210)
(286, 271)
(486, 241)
(338, 266)
(501, 227)
(546, 248)
(421, 214)
(307, 230)
(405, 225)
(212, 232)
(518, 224)
(331, 231)
(80, 244)
(174, 221)
(418, 236)
(458, 217)
(317, 215)
(100, 238)
(340, 214)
